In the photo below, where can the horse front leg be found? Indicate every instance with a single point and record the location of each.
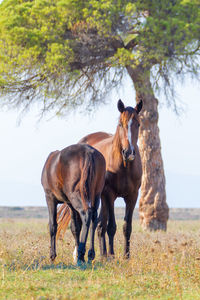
(91, 252)
(127, 227)
(85, 218)
(52, 208)
(112, 227)
(102, 226)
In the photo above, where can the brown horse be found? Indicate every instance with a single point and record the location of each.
(74, 176)
(123, 174)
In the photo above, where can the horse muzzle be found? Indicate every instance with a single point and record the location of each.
(128, 155)
(131, 157)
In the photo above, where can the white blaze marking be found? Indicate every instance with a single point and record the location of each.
(75, 254)
(129, 134)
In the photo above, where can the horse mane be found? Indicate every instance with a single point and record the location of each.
(116, 147)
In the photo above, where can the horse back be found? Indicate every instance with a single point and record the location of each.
(94, 138)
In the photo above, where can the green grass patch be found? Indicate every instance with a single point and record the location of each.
(162, 265)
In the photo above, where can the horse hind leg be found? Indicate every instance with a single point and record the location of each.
(76, 225)
(91, 252)
(52, 208)
(85, 218)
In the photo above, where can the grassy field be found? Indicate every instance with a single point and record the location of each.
(162, 265)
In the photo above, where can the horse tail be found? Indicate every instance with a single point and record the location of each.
(63, 219)
(87, 176)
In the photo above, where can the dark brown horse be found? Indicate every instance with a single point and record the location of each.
(74, 176)
(123, 174)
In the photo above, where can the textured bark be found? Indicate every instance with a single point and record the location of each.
(153, 209)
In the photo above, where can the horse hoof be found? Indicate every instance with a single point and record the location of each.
(52, 257)
(81, 264)
(91, 255)
(126, 255)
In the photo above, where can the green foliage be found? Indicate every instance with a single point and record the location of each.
(66, 50)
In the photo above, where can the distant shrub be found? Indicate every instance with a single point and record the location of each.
(17, 208)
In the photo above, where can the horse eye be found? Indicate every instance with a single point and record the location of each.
(120, 124)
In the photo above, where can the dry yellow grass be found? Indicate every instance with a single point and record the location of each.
(162, 265)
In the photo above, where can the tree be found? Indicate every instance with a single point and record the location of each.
(67, 54)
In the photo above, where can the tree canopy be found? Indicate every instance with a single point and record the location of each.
(67, 53)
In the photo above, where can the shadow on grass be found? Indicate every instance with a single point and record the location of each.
(38, 264)
(62, 266)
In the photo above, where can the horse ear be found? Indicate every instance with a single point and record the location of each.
(139, 106)
(120, 106)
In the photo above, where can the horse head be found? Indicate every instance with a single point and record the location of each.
(128, 129)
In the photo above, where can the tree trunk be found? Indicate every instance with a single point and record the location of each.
(153, 209)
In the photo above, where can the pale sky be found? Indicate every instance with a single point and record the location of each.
(25, 148)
